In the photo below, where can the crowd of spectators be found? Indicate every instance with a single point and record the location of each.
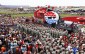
(32, 38)
(57, 41)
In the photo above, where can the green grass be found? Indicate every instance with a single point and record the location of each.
(66, 15)
(15, 14)
(19, 15)
(7, 12)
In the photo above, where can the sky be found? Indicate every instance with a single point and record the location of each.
(44, 2)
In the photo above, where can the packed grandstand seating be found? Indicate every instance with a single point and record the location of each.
(32, 38)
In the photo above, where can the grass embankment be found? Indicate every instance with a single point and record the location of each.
(15, 14)
(19, 15)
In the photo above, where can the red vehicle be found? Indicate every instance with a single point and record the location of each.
(46, 14)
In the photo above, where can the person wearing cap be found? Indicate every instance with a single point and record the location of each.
(75, 50)
(3, 49)
(23, 48)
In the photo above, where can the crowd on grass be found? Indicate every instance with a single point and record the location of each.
(32, 38)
